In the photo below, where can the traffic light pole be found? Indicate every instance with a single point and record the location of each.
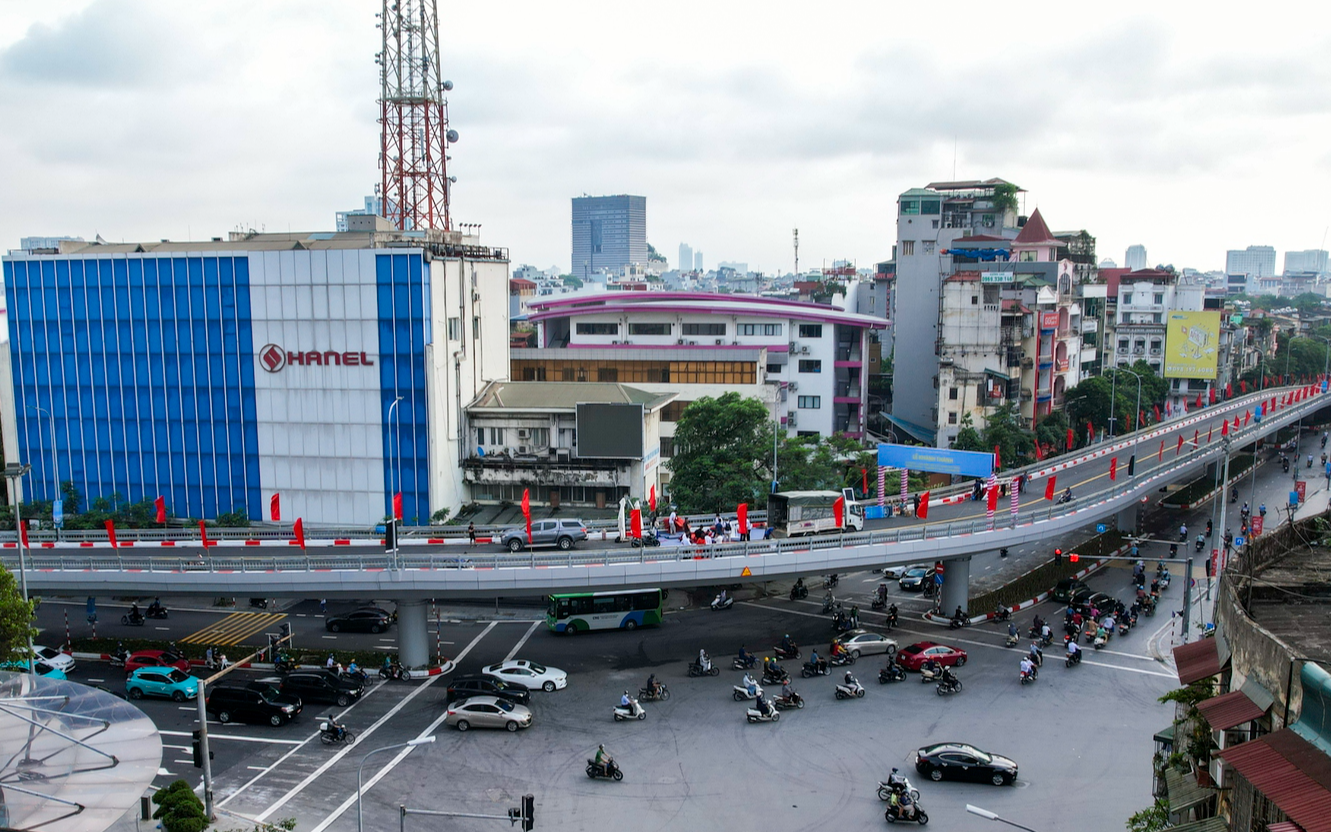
(524, 814)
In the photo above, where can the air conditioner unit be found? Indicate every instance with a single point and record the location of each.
(616, 342)
(792, 419)
(804, 350)
(794, 385)
(679, 341)
(734, 343)
(475, 297)
(523, 434)
(794, 347)
(522, 449)
(693, 343)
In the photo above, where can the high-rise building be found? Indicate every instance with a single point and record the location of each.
(1310, 260)
(1135, 258)
(609, 233)
(697, 261)
(1254, 261)
(685, 257)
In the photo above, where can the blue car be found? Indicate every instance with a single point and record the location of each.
(166, 682)
(43, 669)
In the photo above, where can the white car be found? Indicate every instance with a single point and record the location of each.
(60, 661)
(863, 643)
(896, 572)
(529, 675)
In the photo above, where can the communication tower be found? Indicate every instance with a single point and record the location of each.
(413, 118)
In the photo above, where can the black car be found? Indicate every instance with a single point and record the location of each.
(1084, 600)
(321, 686)
(363, 621)
(1067, 589)
(466, 686)
(914, 579)
(255, 702)
(959, 761)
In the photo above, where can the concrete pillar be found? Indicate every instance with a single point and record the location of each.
(956, 585)
(413, 637)
(1127, 518)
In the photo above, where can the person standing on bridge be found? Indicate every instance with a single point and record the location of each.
(471, 533)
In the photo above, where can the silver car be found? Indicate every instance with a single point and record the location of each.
(561, 533)
(487, 712)
(863, 643)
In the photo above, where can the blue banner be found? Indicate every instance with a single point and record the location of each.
(937, 460)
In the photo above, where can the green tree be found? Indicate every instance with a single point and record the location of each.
(1003, 430)
(16, 617)
(968, 438)
(722, 452)
(1052, 431)
(1154, 818)
(1307, 303)
(1005, 197)
(653, 256)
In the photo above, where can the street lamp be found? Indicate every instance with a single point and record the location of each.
(360, 771)
(398, 443)
(14, 472)
(988, 815)
(1136, 437)
(55, 468)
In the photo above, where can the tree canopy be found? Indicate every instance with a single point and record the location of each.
(15, 617)
(722, 453)
(1090, 400)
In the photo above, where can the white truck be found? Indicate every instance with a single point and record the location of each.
(795, 513)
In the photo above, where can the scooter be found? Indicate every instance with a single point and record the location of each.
(775, 674)
(119, 657)
(949, 685)
(1010, 640)
(648, 540)
(392, 671)
(356, 675)
(784, 654)
(632, 711)
(1073, 658)
(662, 693)
(1027, 678)
(891, 672)
(696, 669)
(831, 581)
(799, 591)
(1002, 613)
(744, 664)
(1200, 543)
(159, 613)
(1100, 641)
(132, 620)
(930, 672)
(330, 734)
(854, 690)
(894, 813)
(885, 789)
(958, 623)
(723, 602)
(786, 702)
(841, 660)
(757, 715)
(891, 620)
(879, 602)
(828, 603)
(741, 693)
(820, 668)
(606, 771)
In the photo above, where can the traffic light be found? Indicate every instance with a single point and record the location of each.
(1132, 465)
(390, 536)
(1073, 557)
(285, 627)
(528, 812)
(272, 642)
(1058, 556)
(198, 748)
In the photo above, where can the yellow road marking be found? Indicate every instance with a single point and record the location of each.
(235, 628)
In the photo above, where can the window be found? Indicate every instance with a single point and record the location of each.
(927, 246)
(951, 418)
(772, 329)
(476, 327)
(480, 436)
(931, 206)
(907, 248)
(1155, 344)
(1159, 297)
(607, 374)
(811, 330)
(975, 300)
(593, 328)
(811, 366)
(649, 329)
(952, 393)
(910, 206)
(1123, 345)
(748, 329)
(704, 329)
(774, 369)
(454, 329)
(810, 402)
(533, 374)
(1027, 257)
(496, 436)
(667, 447)
(1157, 318)
(566, 374)
(540, 437)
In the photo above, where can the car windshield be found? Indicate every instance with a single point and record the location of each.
(981, 756)
(504, 705)
(178, 675)
(914, 648)
(915, 573)
(536, 668)
(169, 658)
(47, 653)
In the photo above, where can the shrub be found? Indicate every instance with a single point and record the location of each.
(179, 809)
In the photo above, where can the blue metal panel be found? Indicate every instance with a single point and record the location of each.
(400, 286)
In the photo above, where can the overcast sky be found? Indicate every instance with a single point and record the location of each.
(1190, 128)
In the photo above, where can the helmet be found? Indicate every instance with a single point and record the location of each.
(601, 747)
(894, 770)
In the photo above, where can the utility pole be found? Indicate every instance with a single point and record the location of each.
(797, 252)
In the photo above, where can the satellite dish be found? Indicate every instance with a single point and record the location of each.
(446, 86)
(452, 136)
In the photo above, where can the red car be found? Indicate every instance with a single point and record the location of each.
(155, 658)
(917, 654)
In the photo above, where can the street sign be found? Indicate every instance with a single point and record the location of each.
(1301, 486)
(938, 567)
(1238, 541)
(1100, 528)
(58, 513)
(938, 579)
(1257, 523)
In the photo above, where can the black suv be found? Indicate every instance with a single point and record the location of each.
(321, 686)
(255, 702)
(465, 686)
(1067, 589)
(371, 621)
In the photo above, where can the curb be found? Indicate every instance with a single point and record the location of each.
(436, 670)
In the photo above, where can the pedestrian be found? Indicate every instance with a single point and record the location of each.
(916, 506)
(471, 533)
(323, 605)
(673, 517)
(208, 657)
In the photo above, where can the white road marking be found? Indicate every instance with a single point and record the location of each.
(256, 768)
(177, 748)
(522, 641)
(164, 629)
(301, 786)
(189, 762)
(161, 772)
(212, 736)
(329, 637)
(96, 680)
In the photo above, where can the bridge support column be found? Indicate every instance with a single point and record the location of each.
(1127, 519)
(413, 641)
(956, 585)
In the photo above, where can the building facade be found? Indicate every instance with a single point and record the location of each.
(1135, 257)
(609, 233)
(327, 368)
(1254, 261)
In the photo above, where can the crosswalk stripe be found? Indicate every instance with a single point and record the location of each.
(234, 628)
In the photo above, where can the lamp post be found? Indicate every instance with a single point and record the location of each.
(14, 472)
(1113, 393)
(360, 827)
(397, 442)
(55, 468)
(1137, 432)
(988, 815)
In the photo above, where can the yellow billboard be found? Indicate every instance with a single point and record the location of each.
(1192, 344)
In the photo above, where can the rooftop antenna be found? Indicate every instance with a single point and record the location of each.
(797, 252)
(954, 157)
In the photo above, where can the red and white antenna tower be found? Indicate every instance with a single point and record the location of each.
(413, 119)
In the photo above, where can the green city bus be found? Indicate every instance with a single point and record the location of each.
(578, 612)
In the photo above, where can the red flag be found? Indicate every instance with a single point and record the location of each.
(864, 481)
(1209, 432)
(1090, 431)
(23, 534)
(1211, 391)
(397, 505)
(742, 517)
(1049, 488)
(203, 533)
(1157, 411)
(1067, 446)
(1247, 416)
(1229, 389)
(275, 508)
(651, 498)
(1199, 399)
(1224, 428)
(1039, 455)
(1160, 456)
(299, 529)
(1243, 386)
(923, 511)
(111, 533)
(160, 503)
(1141, 418)
(1113, 468)
(1180, 445)
(635, 523)
(993, 498)
(998, 459)
(839, 511)
(1236, 422)
(526, 512)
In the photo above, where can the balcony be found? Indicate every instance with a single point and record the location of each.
(1046, 363)
(1089, 325)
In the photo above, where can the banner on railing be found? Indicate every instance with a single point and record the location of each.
(937, 460)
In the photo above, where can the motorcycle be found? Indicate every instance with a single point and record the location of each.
(1046, 639)
(723, 602)
(357, 675)
(631, 711)
(784, 654)
(854, 690)
(741, 693)
(878, 603)
(799, 591)
(930, 672)
(1200, 543)
(119, 657)
(662, 693)
(1010, 640)
(843, 624)
(891, 673)
(831, 581)
(392, 671)
(159, 613)
(1073, 658)
(1100, 641)
(283, 664)
(894, 813)
(696, 669)
(841, 660)
(1037, 657)
(132, 620)
(259, 603)
(775, 674)
(1027, 678)
(332, 734)
(1003, 613)
(885, 789)
(744, 664)
(608, 770)
(891, 620)
(756, 715)
(949, 685)
(648, 540)
(819, 668)
(794, 700)
(957, 623)
(828, 603)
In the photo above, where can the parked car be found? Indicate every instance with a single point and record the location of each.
(917, 654)
(464, 687)
(895, 573)
(162, 682)
(959, 761)
(487, 712)
(561, 533)
(359, 621)
(42, 668)
(154, 658)
(529, 675)
(60, 661)
(321, 686)
(863, 643)
(915, 577)
(1067, 588)
(254, 702)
